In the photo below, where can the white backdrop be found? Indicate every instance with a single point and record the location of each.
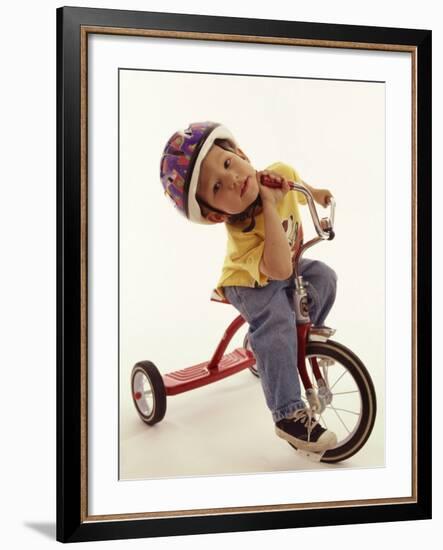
(332, 131)
(27, 224)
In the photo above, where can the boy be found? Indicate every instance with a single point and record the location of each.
(211, 180)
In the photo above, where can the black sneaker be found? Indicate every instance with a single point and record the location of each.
(304, 432)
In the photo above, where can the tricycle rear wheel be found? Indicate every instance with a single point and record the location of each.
(148, 392)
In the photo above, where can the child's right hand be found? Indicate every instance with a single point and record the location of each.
(275, 189)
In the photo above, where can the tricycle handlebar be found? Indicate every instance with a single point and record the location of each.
(324, 233)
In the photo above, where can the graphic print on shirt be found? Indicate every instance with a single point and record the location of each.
(294, 233)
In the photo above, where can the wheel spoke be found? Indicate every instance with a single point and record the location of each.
(343, 410)
(340, 418)
(346, 392)
(338, 380)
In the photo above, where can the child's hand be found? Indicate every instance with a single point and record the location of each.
(322, 196)
(276, 188)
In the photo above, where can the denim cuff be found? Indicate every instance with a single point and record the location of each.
(288, 411)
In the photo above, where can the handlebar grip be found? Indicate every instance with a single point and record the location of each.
(267, 181)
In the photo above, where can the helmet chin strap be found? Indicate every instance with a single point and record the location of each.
(248, 212)
(241, 215)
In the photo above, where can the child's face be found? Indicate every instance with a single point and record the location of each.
(227, 181)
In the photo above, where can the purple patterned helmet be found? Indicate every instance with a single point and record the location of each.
(180, 165)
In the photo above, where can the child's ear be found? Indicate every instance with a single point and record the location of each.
(214, 217)
(241, 154)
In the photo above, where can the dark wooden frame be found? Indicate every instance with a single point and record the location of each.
(73, 26)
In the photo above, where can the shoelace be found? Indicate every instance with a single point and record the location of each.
(306, 415)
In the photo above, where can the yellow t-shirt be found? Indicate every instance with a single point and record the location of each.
(245, 250)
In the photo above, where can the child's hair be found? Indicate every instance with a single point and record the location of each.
(227, 145)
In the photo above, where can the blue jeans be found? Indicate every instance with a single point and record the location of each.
(269, 310)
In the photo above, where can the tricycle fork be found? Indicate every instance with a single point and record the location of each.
(304, 326)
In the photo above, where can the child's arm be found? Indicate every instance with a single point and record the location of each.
(321, 196)
(276, 261)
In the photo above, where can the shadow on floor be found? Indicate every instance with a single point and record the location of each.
(46, 529)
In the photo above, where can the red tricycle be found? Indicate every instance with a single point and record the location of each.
(337, 385)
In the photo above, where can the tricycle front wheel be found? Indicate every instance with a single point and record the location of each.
(351, 407)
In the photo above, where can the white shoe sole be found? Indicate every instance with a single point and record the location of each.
(328, 440)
